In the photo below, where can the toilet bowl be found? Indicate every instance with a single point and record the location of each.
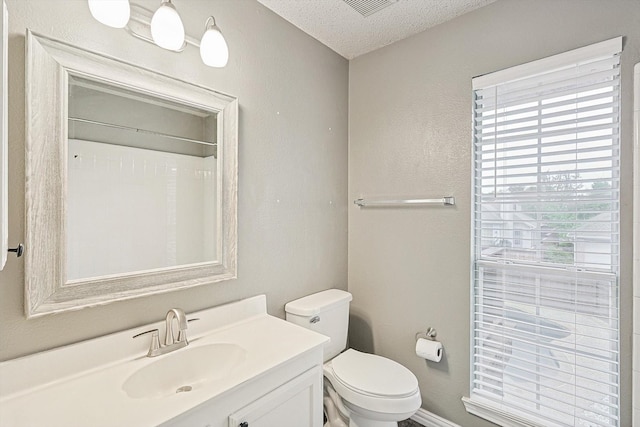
(375, 390)
(360, 389)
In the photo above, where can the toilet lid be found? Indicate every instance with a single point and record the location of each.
(373, 375)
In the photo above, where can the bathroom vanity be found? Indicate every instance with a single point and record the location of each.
(242, 367)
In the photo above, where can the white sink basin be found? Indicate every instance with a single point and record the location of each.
(237, 350)
(184, 370)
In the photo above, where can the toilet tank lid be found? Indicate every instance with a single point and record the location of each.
(317, 303)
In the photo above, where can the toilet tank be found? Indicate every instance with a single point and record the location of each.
(327, 313)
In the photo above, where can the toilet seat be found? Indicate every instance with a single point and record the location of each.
(373, 375)
(373, 382)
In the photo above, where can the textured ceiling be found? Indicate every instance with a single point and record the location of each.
(340, 24)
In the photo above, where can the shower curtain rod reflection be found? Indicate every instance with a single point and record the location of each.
(445, 201)
(148, 132)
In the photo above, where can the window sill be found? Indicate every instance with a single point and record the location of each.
(488, 411)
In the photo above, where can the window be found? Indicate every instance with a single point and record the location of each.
(517, 238)
(545, 309)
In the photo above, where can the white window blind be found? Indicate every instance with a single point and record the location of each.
(545, 320)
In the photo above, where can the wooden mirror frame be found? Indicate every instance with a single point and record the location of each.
(47, 291)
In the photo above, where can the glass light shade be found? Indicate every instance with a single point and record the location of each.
(167, 30)
(213, 48)
(114, 13)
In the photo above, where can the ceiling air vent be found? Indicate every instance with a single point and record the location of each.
(369, 7)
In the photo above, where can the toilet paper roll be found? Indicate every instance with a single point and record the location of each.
(428, 349)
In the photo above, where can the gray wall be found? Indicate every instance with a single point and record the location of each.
(410, 134)
(409, 117)
(292, 155)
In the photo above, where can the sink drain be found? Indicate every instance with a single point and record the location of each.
(184, 389)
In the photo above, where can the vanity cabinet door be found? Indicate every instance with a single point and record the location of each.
(4, 150)
(298, 403)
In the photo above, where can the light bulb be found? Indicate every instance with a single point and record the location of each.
(213, 48)
(114, 13)
(167, 30)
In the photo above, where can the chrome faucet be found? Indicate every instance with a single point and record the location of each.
(170, 343)
(178, 314)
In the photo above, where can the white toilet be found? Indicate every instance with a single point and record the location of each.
(360, 389)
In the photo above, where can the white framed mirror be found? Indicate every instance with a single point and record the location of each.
(131, 181)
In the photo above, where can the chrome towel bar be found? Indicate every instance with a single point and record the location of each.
(446, 201)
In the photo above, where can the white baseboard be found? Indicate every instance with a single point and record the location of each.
(429, 419)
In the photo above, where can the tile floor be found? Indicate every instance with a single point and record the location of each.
(409, 423)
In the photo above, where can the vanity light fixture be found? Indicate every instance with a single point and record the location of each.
(163, 28)
(213, 48)
(114, 13)
(166, 27)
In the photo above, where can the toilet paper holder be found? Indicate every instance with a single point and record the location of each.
(430, 334)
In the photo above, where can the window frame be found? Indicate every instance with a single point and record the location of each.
(502, 414)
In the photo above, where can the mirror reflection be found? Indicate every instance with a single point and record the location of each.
(142, 186)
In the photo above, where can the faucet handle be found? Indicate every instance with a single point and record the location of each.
(154, 332)
(155, 340)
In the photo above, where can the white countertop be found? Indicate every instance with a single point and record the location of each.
(61, 387)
